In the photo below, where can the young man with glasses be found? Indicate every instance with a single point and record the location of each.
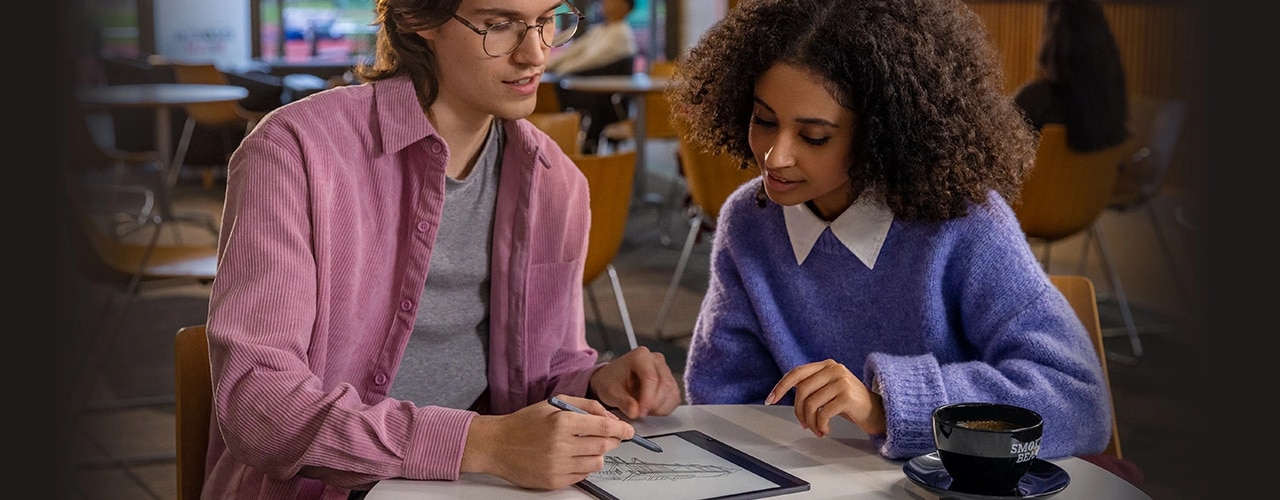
(399, 284)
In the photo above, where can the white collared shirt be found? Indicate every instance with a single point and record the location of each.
(861, 228)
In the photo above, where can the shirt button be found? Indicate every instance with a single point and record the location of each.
(436, 147)
(406, 305)
(380, 379)
(423, 226)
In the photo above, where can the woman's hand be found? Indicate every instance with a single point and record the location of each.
(825, 389)
(543, 447)
(639, 383)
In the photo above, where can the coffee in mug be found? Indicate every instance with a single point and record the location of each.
(986, 447)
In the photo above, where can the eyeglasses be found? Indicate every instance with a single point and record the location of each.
(505, 37)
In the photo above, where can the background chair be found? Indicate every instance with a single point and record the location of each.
(1080, 294)
(1156, 125)
(711, 178)
(1062, 196)
(564, 127)
(107, 171)
(230, 118)
(112, 272)
(609, 178)
(548, 99)
(193, 409)
(124, 268)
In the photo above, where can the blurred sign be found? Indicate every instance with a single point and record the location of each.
(199, 30)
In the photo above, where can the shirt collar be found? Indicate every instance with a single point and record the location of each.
(861, 228)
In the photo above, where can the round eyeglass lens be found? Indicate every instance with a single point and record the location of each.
(565, 25)
(503, 38)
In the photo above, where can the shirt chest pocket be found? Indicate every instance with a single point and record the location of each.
(552, 293)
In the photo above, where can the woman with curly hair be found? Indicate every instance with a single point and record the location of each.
(875, 266)
(1080, 81)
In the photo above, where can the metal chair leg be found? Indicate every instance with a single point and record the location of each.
(170, 180)
(1044, 255)
(695, 226)
(1113, 277)
(622, 309)
(622, 305)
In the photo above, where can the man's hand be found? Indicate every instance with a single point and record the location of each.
(543, 447)
(639, 383)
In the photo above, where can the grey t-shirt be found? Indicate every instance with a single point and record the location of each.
(446, 361)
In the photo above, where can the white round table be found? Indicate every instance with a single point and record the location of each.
(841, 465)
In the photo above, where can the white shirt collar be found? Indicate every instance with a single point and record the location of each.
(861, 228)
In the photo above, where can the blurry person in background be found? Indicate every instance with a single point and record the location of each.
(1080, 81)
(606, 49)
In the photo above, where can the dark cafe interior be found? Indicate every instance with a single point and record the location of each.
(162, 93)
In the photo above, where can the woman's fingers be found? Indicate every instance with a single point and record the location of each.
(791, 379)
(823, 390)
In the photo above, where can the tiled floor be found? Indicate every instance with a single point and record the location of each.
(141, 362)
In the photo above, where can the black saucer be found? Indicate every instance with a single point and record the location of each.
(1044, 479)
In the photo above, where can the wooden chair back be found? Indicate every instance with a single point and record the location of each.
(657, 109)
(548, 99)
(1080, 294)
(212, 114)
(610, 178)
(711, 177)
(1065, 190)
(193, 391)
(564, 127)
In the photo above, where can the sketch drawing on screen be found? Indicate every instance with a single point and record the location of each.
(692, 466)
(616, 468)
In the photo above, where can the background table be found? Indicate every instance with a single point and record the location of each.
(636, 85)
(842, 465)
(161, 97)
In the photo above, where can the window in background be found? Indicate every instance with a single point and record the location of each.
(648, 20)
(315, 31)
(110, 27)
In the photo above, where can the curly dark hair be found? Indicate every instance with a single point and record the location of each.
(934, 131)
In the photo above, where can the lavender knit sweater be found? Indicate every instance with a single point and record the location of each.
(953, 311)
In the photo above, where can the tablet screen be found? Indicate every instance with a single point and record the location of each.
(692, 466)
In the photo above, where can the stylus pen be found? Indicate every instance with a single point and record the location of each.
(564, 405)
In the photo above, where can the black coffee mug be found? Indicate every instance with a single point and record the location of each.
(986, 447)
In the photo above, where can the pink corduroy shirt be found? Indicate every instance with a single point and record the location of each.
(331, 213)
